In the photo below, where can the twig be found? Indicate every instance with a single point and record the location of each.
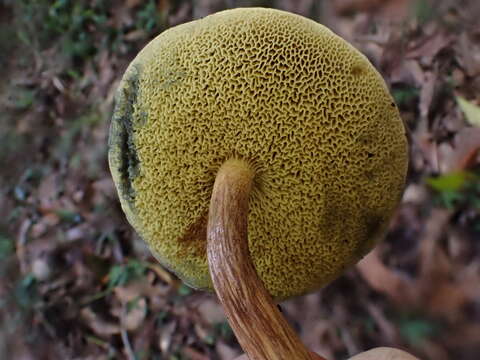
(127, 345)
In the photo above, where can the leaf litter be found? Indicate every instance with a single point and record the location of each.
(78, 283)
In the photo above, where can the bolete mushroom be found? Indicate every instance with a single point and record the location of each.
(263, 117)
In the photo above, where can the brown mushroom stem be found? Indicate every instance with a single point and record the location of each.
(261, 330)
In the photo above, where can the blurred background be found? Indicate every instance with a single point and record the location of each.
(77, 283)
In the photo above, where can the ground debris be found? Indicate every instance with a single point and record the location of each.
(77, 283)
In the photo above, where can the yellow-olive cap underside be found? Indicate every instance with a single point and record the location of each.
(302, 106)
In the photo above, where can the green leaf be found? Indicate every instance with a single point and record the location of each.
(403, 95)
(69, 216)
(26, 291)
(224, 330)
(449, 182)
(24, 98)
(416, 330)
(6, 247)
(120, 275)
(470, 110)
(210, 339)
(162, 316)
(184, 290)
(132, 304)
(423, 11)
(450, 198)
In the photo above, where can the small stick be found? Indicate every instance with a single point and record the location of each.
(261, 330)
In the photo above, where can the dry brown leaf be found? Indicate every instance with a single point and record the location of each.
(433, 350)
(387, 281)
(132, 3)
(181, 15)
(464, 335)
(386, 327)
(166, 335)
(429, 47)
(301, 7)
(201, 331)
(388, 9)
(432, 259)
(193, 354)
(82, 231)
(134, 316)
(347, 6)
(21, 250)
(42, 226)
(460, 246)
(163, 274)
(408, 71)
(466, 149)
(105, 186)
(226, 352)
(446, 299)
(470, 110)
(468, 54)
(139, 288)
(135, 35)
(427, 92)
(48, 193)
(211, 311)
(424, 149)
(415, 194)
(444, 153)
(97, 324)
(41, 268)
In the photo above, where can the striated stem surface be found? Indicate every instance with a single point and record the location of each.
(261, 330)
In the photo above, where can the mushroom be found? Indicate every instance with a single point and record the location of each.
(261, 118)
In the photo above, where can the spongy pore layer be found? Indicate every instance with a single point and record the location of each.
(302, 106)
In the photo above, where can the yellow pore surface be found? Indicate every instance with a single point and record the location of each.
(302, 106)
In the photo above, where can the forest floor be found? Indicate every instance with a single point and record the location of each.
(76, 282)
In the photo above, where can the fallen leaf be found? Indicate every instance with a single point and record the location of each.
(468, 334)
(432, 260)
(462, 153)
(134, 314)
(449, 182)
(211, 311)
(467, 54)
(427, 93)
(193, 354)
(470, 110)
(301, 7)
(415, 194)
(202, 332)
(163, 274)
(132, 3)
(384, 324)
(387, 281)
(166, 335)
(41, 268)
(97, 324)
(430, 47)
(226, 352)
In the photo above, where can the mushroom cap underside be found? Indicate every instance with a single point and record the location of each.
(304, 108)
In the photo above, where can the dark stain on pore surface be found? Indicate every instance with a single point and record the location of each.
(194, 241)
(129, 165)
